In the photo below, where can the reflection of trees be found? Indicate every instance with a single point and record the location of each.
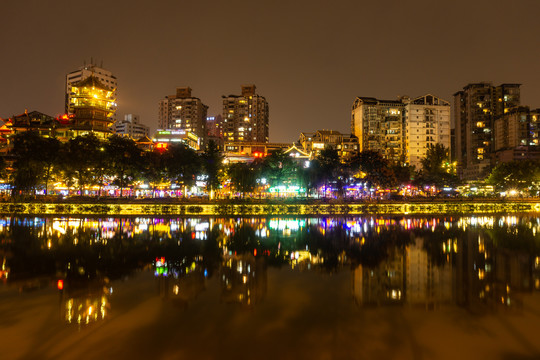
(27, 257)
(375, 245)
(435, 241)
(519, 237)
(329, 244)
(244, 239)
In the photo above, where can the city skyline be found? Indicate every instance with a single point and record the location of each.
(309, 59)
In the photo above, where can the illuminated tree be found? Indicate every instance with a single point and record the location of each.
(181, 164)
(279, 169)
(434, 172)
(376, 169)
(79, 159)
(124, 159)
(35, 158)
(518, 175)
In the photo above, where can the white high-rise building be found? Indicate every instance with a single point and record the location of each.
(105, 77)
(131, 127)
(427, 122)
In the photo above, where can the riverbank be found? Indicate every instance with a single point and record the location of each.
(264, 208)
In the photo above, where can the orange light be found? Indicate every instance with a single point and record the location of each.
(254, 252)
(162, 146)
(60, 284)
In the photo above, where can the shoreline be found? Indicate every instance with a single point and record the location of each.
(265, 208)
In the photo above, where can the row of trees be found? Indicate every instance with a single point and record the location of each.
(36, 162)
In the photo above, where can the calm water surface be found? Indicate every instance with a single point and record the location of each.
(270, 288)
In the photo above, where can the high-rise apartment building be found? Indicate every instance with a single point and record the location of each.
(378, 125)
(245, 117)
(401, 130)
(517, 134)
(131, 127)
(475, 109)
(105, 77)
(427, 122)
(182, 111)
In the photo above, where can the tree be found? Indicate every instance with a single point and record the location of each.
(124, 160)
(434, 172)
(153, 169)
(243, 177)
(212, 163)
(329, 167)
(50, 157)
(79, 159)
(519, 175)
(279, 169)
(35, 157)
(181, 164)
(376, 170)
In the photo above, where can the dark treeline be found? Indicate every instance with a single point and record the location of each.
(36, 163)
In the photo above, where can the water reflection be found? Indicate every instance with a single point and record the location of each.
(243, 279)
(86, 302)
(480, 263)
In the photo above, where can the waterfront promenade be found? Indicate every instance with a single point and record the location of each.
(150, 207)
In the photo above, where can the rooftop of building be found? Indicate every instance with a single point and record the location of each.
(92, 81)
(483, 84)
(375, 101)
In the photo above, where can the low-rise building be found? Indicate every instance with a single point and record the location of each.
(131, 127)
(162, 138)
(345, 144)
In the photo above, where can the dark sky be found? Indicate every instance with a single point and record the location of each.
(308, 58)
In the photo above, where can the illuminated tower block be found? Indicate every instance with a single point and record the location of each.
(104, 76)
(93, 106)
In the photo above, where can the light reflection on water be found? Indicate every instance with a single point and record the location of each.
(108, 265)
(472, 261)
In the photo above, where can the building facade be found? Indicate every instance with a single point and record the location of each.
(131, 127)
(378, 125)
(163, 138)
(93, 106)
(427, 122)
(401, 130)
(245, 117)
(105, 77)
(475, 109)
(44, 125)
(313, 143)
(182, 111)
(214, 130)
(516, 135)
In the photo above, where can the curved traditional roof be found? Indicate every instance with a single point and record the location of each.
(91, 81)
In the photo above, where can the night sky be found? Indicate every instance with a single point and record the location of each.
(310, 59)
